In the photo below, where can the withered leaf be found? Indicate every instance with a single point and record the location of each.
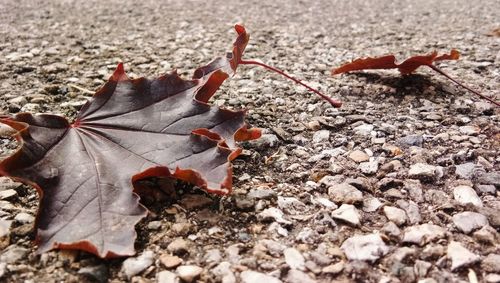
(131, 129)
(389, 62)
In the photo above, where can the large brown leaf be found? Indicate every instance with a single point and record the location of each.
(130, 130)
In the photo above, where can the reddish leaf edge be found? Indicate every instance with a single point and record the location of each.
(408, 66)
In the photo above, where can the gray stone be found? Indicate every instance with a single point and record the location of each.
(465, 195)
(261, 193)
(273, 214)
(486, 189)
(411, 209)
(249, 276)
(469, 221)
(465, 171)
(486, 235)
(178, 246)
(321, 136)
(491, 178)
(469, 130)
(13, 253)
(297, 276)
(422, 171)
(347, 213)
(333, 268)
(294, 258)
(135, 265)
(422, 268)
(491, 263)
(167, 277)
(363, 130)
(460, 256)
(345, 193)
(370, 167)
(396, 215)
(265, 141)
(4, 233)
(391, 229)
(423, 234)
(244, 203)
(371, 204)
(364, 247)
(411, 140)
(224, 273)
(414, 189)
(188, 273)
(291, 205)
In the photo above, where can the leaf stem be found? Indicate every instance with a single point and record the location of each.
(333, 102)
(462, 85)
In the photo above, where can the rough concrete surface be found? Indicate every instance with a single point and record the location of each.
(399, 185)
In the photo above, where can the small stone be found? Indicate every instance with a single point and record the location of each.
(432, 252)
(347, 213)
(297, 276)
(486, 189)
(8, 194)
(487, 235)
(391, 229)
(492, 278)
(396, 215)
(411, 140)
(261, 194)
(465, 171)
(365, 247)
(422, 171)
(422, 268)
(4, 233)
(469, 130)
(333, 268)
(24, 218)
(345, 193)
(13, 254)
(363, 130)
(97, 273)
(291, 205)
(460, 256)
(188, 273)
(321, 136)
(369, 168)
(265, 141)
(167, 277)
(411, 209)
(224, 272)
(465, 195)
(135, 265)
(414, 189)
(359, 156)
(273, 214)
(491, 263)
(249, 276)
(294, 258)
(170, 261)
(423, 234)
(181, 228)
(178, 246)
(244, 203)
(154, 225)
(491, 178)
(371, 204)
(469, 221)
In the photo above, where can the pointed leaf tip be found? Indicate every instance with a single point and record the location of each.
(239, 29)
(119, 73)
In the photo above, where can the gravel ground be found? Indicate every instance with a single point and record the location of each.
(399, 185)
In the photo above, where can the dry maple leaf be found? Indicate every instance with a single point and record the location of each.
(131, 129)
(406, 67)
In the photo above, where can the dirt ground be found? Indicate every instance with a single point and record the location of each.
(398, 185)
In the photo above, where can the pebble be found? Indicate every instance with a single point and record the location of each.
(321, 136)
(422, 171)
(265, 141)
(135, 265)
(465, 171)
(178, 246)
(469, 221)
(291, 205)
(333, 268)
(391, 229)
(491, 178)
(411, 140)
(261, 194)
(465, 195)
(273, 214)
(396, 215)
(369, 168)
(4, 233)
(170, 261)
(460, 256)
(294, 259)
(491, 263)
(24, 218)
(224, 273)
(194, 201)
(188, 273)
(363, 130)
(469, 130)
(297, 276)
(371, 204)
(244, 203)
(487, 235)
(492, 278)
(414, 189)
(364, 247)
(359, 156)
(423, 234)
(13, 253)
(347, 213)
(97, 273)
(345, 193)
(250, 276)
(167, 277)
(8, 194)
(411, 209)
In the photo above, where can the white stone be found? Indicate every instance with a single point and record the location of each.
(423, 234)
(460, 256)
(135, 265)
(249, 276)
(365, 247)
(347, 213)
(188, 273)
(469, 221)
(294, 258)
(465, 195)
